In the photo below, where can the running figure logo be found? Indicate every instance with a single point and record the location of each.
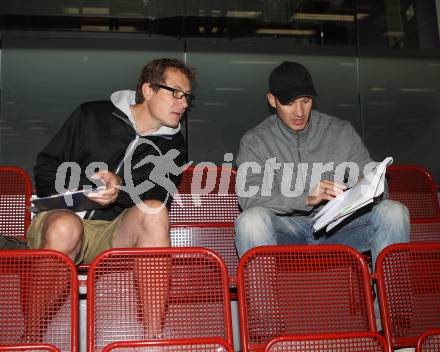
(163, 166)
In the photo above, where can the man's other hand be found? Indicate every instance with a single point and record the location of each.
(325, 190)
(110, 194)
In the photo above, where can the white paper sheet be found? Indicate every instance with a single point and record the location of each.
(361, 194)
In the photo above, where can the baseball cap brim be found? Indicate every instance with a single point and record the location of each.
(290, 94)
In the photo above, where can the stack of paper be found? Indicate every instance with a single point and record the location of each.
(345, 204)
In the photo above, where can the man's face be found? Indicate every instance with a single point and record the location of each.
(295, 114)
(163, 107)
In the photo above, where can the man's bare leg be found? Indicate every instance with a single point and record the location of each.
(62, 231)
(147, 229)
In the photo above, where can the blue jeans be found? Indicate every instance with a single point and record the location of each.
(373, 229)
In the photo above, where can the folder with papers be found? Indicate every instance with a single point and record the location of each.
(75, 201)
(345, 204)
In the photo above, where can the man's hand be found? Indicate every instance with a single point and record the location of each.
(325, 190)
(112, 183)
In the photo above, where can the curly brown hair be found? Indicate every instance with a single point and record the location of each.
(154, 73)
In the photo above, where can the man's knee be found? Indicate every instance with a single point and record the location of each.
(151, 213)
(63, 228)
(252, 219)
(255, 225)
(392, 211)
(254, 228)
(144, 225)
(393, 218)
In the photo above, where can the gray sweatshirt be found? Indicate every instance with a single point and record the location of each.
(285, 165)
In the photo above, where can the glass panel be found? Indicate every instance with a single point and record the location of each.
(399, 66)
(232, 88)
(374, 64)
(309, 22)
(399, 24)
(46, 76)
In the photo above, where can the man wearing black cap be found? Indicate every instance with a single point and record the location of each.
(288, 165)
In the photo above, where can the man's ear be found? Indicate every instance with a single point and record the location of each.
(147, 91)
(272, 100)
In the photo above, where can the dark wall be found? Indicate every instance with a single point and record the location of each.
(370, 71)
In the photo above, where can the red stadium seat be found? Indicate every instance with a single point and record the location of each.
(204, 213)
(409, 291)
(414, 186)
(29, 348)
(429, 341)
(38, 299)
(206, 217)
(425, 230)
(206, 195)
(302, 290)
(219, 238)
(159, 294)
(343, 342)
(15, 195)
(193, 345)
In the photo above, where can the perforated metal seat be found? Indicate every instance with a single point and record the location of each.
(15, 195)
(409, 291)
(206, 219)
(206, 195)
(193, 345)
(302, 290)
(347, 342)
(158, 294)
(204, 213)
(220, 239)
(425, 231)
(429, 341)
(414, 186)
(38, 299)
(30, 348)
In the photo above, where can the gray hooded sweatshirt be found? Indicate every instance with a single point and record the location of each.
(284, 165)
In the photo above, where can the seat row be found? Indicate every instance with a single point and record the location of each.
(293, 293)
(207, 206)
(207, 197)
(204, 214)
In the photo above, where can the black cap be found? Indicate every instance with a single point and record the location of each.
(289, 81)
